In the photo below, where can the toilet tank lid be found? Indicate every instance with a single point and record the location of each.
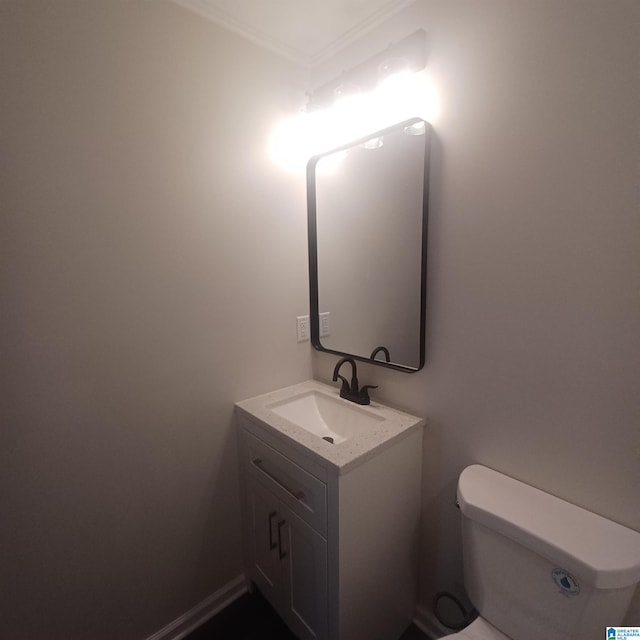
(602, 552)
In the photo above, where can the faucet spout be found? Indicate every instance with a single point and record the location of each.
(350, 390)
(354, 374)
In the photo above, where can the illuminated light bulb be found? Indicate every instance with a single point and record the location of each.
(427, 97)
(284, 143)
(395, 81)
(295, 140)
(399, 97)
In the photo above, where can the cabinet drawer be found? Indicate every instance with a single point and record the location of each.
(304, 494)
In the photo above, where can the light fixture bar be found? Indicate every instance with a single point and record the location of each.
(410, 51)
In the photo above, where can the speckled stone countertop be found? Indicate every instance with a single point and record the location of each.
(342, 456)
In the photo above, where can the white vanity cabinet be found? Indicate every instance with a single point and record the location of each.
(330, 532)
(287, 557)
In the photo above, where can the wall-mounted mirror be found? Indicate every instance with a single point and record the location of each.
(368, 213)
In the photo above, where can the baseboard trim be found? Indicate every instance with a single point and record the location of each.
(207, 608)
(427, 623)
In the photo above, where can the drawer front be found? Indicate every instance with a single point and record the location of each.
(303, 493)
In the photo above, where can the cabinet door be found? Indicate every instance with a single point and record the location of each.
(305, 585)
(265, 563)
(288, 563)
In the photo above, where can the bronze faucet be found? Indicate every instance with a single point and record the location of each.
(350, 391)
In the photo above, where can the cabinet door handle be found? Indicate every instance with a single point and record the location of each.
(272, 544)
(281, 552)
(298, 495)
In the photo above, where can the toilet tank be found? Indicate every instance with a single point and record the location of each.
(538, 567)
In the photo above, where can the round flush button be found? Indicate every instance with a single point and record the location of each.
(569, 586)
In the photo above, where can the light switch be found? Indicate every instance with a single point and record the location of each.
(325, 326)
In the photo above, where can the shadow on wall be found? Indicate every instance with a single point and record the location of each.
(439, 556)
(219, 511)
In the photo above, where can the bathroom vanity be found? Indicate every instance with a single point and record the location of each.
(331, 530)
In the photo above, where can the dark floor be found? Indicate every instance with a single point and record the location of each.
(252, 618)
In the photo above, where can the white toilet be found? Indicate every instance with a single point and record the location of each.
(539, 568)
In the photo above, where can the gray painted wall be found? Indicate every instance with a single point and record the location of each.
(533, 363)
(153, 262)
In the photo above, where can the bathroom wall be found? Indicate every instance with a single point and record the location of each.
(153, 262)
(153, 259)
(533, 355)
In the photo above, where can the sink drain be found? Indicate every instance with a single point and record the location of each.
(328, 439)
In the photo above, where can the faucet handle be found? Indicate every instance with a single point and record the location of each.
(364, 392)
(345, 384)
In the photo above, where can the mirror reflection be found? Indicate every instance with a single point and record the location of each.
(367, 247)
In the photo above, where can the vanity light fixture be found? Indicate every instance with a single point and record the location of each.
(346, 90)
(391, 67)
(380, 92)
(405, 56)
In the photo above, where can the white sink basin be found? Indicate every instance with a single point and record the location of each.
(305, 413)
(326, 416)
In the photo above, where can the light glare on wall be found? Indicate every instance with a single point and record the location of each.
(399, 97)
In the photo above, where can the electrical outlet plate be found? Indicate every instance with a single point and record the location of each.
(302, 324)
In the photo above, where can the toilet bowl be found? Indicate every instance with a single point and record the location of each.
(536, 566)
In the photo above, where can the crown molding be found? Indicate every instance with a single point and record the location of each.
(229, 22)
(266, 41)
(358, 31)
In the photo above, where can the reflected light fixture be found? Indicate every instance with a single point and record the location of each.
(373, 143)
(416, 129)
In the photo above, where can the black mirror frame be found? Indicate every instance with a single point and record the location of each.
(314, 316)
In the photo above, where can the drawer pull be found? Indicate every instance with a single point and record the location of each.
(272, 544)
(298, 495)
(281, 552)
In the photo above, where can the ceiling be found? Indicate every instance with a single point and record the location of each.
(305, 31)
